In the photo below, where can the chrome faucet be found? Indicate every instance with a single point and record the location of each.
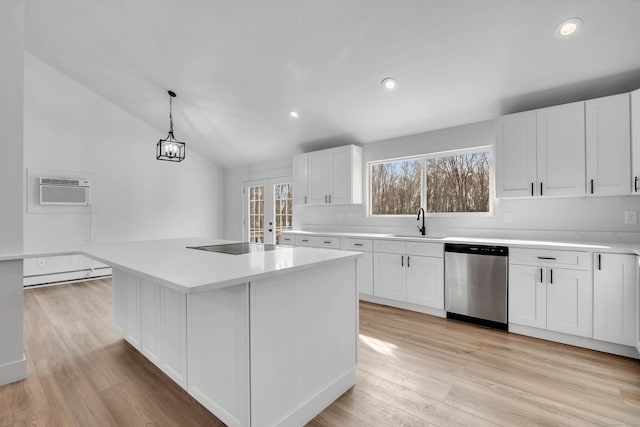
(423, 229)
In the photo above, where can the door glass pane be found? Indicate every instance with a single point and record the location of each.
(256, 214)
(283, 202)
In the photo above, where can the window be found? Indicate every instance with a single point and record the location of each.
(451, 182)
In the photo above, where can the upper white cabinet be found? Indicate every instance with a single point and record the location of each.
(334, 176)
(516, 155)
(608, 145)
(635, 144)
(561, 150)
(300, 173)
(614, 298)
(571, 149)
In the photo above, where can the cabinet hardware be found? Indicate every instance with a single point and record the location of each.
(551, 276)
(305, 240)
(305, 200)
(547, 257)
(635, 183)
(358, 244)
(329, 198)
(325, 198)
(408, 258)
(532, 188)
(402, 261)
(591, 186)
(541, 279)
(541, 188)
(327, 242)
(599, 261)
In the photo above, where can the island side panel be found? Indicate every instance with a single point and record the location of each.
(218, 352)
(304, 338)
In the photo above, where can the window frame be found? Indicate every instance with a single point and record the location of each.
(423, 184)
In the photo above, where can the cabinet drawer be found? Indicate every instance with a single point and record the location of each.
(306, 241)
(425, 249)
(362, 245)
(328, 242)
(287, 239)
(392, 246)
(543, 257)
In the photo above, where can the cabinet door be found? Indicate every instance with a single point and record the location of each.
(516, 155)
(389, 275)
(131, 308)
(300, 174)
(425, 281)
(365, 274)
(569, 301)
(561, 150)
(117, 303)
(341, 186)
(150, 331)
(527, 296)
(635, 142)
(319, 184)
(174, 335)
(614, 298)
(608, 145)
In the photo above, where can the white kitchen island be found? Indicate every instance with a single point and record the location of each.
(260, 339)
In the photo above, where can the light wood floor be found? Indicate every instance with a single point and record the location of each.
(414, 370)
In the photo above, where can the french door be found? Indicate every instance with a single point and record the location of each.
(268, 209)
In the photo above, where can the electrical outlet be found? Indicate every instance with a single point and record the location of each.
(631, 217)
(42, 262)
(508, 217)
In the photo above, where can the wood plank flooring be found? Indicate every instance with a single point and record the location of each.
(414, 370)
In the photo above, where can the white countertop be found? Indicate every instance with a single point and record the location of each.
(189, 270)
(631, 248)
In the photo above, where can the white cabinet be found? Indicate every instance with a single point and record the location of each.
(561, 150)
(364, 264)
(635, 142)
(153, 319)
(608, 133)
(614, 298)
(541, 152)
(553, 292)
(516, 155)
(335, 176)
(300, 174)
(402, 272)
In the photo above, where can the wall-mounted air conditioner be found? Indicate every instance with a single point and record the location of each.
(63, 191)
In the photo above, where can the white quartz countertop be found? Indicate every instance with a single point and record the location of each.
(189, 270)
(631, 248)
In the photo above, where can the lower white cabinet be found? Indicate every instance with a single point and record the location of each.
(614, 298)
(552, 298)
(153, 319)
(405, 277)
(364, 277)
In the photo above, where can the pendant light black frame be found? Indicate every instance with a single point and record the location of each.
(170, 149)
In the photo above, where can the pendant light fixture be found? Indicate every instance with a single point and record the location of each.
(170, 148)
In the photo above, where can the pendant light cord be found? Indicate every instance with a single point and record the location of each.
(171, 115)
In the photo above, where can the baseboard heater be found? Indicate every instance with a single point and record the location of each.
(66, 277)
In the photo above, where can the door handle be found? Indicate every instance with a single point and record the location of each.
(547, 257)
(551, 276)
(541, 188)
(599, 261)
(635, 183)
(325, 198)
(591, 186)
(358, 244)
(541, 278)
(408, 258)
(329, 198)
(402, 261)
(305, 200)
(532, 188)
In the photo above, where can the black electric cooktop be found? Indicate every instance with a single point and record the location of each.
(236, 248)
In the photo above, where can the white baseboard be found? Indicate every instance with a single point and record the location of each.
(13, 371)
(66, 277)
(404, 305)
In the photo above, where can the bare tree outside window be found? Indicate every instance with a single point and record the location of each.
(458, 183)
(396, 187)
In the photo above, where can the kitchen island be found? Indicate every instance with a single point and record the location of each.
(260, 339)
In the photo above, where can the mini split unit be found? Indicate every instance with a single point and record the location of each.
(63, 191)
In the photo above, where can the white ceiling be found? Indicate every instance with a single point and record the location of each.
(239, 67)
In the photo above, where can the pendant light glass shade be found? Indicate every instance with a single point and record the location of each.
(170, 148)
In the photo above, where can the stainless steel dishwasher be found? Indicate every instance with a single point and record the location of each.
(475, 278)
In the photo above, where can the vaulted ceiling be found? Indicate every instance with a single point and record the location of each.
(239, 67)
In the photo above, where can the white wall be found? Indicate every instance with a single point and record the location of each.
(582, 218)
(233, 184)
(70, 130)
(12, 362)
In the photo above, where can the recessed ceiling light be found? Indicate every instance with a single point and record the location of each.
(294, 114)
(568, 27)
(389, 83)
